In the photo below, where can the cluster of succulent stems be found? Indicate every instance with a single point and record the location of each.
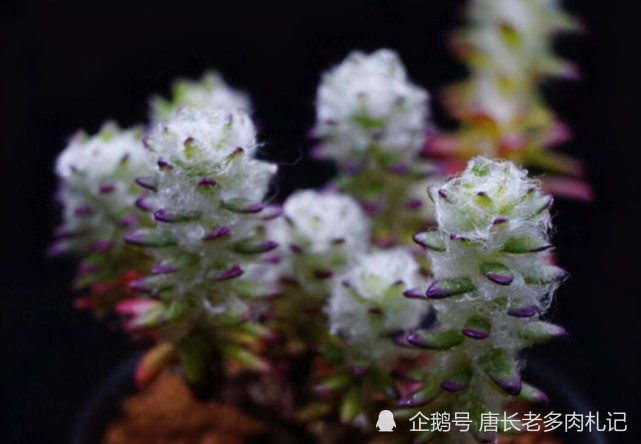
(397, 287)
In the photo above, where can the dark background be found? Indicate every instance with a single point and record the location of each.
(70, 65)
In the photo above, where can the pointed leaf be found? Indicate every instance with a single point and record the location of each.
(483, 200)
(192, 355)
(245, 358)
(435, 340)
(351, 405)
(432, 240)
(444, 288)
(457, 380)
(476, 410)
(153, 362)
(149, 183)
(525, 244)
(530, 393)
(146, 237)
(242, 206)
(231, 273)
(333, 383)
(176, 216)
(497, 273)
(252, 245)
(430, 390)
(539, 203)
(216, 234)
(539, 331)
(503, 370)
(522, 312)
(477, 327)
(544, 275)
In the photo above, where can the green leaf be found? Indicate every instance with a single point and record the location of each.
(176, 216)
(252, 245)
(424, 395)
(245, 358)
(477, 409)
(176, 309)
(530, 393)
(525, 244)
(192, 356)
(149, 237)
(432, 240)
(538, 203)
(351, 405)
(189, 148)
(444, 288)
(543, 275)
(497, 273)
(483, 200)
(503, 370)
(335, 382)
(480, 169)
(477, 327)
(241, 206)
(436, 340)
(368, 122)
(510, 36)
(536, 332)
(458, 379)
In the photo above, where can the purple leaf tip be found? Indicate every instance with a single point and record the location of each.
(222, 231)
(231, 273)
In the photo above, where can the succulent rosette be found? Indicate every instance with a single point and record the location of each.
(320, 234)
(209, 92)
(373, 122)
(508, 48)
(492, 282)
(205, 198)
(97, 193)
(367, 306)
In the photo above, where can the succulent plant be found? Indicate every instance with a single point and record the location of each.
(205, 198)
(97, 192)
(507, 47)
(321, 312)
(493, 281)
(319, 235)
(209, 92)
(366, 306)
(373, 121)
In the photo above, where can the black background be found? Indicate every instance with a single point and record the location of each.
(70, 65)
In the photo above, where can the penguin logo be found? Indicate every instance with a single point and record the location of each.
(386, 421)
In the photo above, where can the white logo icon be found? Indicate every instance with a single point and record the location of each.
(386, 421)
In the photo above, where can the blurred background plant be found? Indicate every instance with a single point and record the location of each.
(507, 47)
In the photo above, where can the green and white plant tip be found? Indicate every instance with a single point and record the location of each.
(492, 282)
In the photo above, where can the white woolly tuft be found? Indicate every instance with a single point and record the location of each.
(490, 204)
(367, 101)
(210, 92)
(97, 179)
(376, 283)
(206, 144)
(217, 147)
(329, 229)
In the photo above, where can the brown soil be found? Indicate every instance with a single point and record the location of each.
(167, 413)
